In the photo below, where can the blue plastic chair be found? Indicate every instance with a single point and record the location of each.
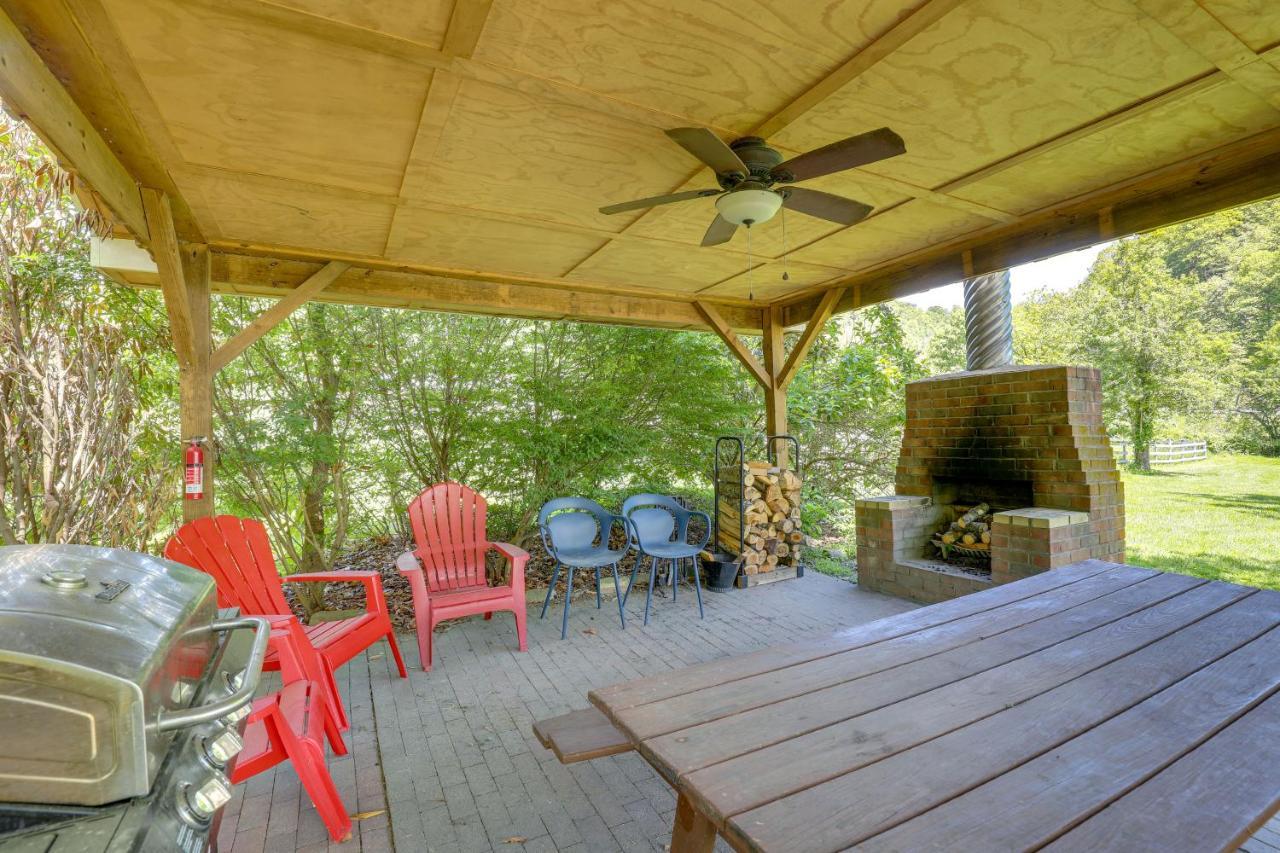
(658, 527)
(570, 528)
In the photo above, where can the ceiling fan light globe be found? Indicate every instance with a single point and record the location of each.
(748, 207)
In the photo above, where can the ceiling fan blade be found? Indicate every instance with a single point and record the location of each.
(845, 154)
(835, 208)
(655, 200)
(709, 148)
(720, 231)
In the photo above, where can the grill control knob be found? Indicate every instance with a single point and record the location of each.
(222, 747)
(202, 803)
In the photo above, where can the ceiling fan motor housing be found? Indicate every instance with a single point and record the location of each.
(758, 157)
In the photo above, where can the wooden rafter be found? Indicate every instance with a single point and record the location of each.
(466, 24)
(1190, 23)
(578, 286)
(718, 325)
(173, 283)
(273, 316)
(138, 131)
(329, 29)
(826, 306)
(30, 90)
(1246, 171)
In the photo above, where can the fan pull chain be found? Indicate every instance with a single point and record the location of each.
(786, 276)
(751, 268)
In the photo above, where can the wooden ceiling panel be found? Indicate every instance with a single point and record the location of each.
(994, 78)
(238, 94)
(514, 153)
(1254, 22)
(765, 283)
(663, 267)
(889, 234)
(1219, 112)
(421, 21)
(457, 241)
(257, 212)
(721, 64)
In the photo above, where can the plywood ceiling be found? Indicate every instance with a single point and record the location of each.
(480, 139)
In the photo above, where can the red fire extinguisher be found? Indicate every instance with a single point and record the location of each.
(194, 476)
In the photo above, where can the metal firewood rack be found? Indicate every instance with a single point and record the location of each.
(730, 456)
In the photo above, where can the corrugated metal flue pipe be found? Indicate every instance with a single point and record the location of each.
(988, 321)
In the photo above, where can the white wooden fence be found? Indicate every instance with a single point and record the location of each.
(1164, 452)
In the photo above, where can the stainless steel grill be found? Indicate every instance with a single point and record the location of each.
(122, 691)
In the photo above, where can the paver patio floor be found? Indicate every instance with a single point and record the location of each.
(447, 760)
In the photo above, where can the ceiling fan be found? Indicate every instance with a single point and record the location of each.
(748, 169)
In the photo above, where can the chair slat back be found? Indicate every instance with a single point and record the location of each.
(448, 522)
(236, 553)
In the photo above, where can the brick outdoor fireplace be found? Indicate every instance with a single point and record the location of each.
(1027, 441)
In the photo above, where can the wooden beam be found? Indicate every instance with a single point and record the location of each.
(273, 316)
(168, 258)
(861, 62)
(31, 91)
(810, 334)
(332, 30)
(718, 325)
(465, 26)
(254, 275)
(195, 380)
(1235, 174)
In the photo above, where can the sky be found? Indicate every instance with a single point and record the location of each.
(1061, 272)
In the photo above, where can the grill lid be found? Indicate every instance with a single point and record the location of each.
(94, 644)
(102, 608)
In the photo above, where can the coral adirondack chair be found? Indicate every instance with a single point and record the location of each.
(446, 569)
(292, 725)
(236, 552)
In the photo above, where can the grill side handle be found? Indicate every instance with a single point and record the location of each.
(242, 696)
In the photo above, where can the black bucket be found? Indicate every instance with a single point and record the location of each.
(718, 574)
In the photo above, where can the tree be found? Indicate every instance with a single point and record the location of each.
(1141, 325)
(289, 433)
(82, 457)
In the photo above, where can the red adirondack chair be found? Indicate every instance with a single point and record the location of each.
(292, 725)
(236, 552)
(446, 571)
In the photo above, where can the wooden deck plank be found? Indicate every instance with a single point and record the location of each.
(1215, 792)
(747, 784)
(629, 694)
(897, 789)
(744, 694)
(726, 737)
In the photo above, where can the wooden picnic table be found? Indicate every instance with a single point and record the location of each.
(1098, 706)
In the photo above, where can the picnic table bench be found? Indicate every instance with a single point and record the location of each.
(1098, 706)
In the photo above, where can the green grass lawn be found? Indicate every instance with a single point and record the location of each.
(1219, 519)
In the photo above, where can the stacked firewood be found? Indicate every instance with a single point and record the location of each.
(770, 510)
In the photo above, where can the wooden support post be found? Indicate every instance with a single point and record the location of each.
(693, 831)
(196, 379)
(775, 395)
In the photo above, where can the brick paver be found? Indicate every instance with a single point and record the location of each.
(447, 761)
